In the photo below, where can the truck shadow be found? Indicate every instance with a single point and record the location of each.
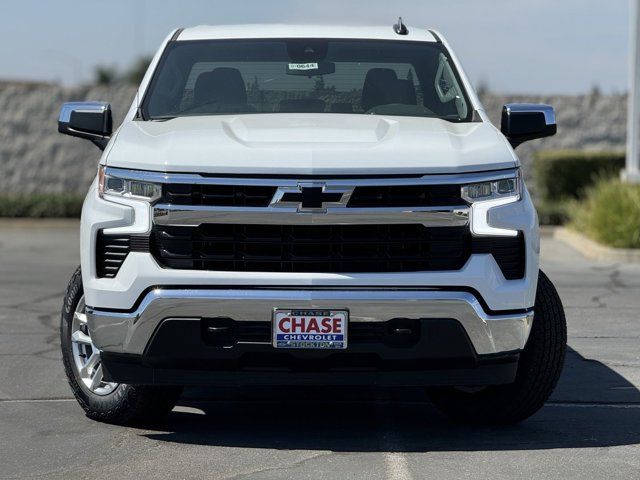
(593, 406)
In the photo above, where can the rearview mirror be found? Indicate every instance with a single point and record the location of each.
(89, 120)
(527, 121)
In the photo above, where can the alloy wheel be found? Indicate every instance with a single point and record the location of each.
(86, 356)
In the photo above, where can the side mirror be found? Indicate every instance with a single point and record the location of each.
(88, 120)
(527, 121)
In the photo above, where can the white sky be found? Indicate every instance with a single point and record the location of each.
(519, 46)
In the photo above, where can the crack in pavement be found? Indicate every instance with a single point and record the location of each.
(24, 305)
(296, 464)
(613, 285)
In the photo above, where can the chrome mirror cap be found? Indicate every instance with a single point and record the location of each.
(89, 120)
(527, 121)
(93, 107)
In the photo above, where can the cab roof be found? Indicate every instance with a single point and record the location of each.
(224, 32)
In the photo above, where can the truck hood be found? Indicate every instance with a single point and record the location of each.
(309, 144)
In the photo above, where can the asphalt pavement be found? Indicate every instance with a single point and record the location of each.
(589, 429)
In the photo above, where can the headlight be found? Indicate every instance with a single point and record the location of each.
(478, 192)
(115, 186)
(487, 195)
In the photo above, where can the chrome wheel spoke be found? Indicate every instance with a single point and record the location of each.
(80, 317)
(89, 367)
(96, 379)
(86, 356)
(80, 337)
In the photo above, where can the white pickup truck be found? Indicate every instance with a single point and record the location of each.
(297, 205)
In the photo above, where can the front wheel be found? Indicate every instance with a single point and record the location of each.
(539, 369)
(102, 400)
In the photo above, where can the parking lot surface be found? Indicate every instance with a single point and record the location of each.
(590, 428)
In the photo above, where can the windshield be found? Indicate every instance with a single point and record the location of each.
(221, 77)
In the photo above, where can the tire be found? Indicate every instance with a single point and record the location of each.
(116, 403)
(539, 369)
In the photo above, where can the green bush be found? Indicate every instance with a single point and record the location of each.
(41, 205)
(610, 213)
(564, 175)
(553, 213)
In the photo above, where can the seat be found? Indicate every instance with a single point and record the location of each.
(380, 87)
(406, 92)
(222, 85)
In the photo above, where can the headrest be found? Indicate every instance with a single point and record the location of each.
(379, 85)
(223, 85)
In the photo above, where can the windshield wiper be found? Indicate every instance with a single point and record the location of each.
(163, 118)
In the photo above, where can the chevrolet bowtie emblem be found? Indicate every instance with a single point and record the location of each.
(313, 197)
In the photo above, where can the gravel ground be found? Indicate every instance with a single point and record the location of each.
(590, 429)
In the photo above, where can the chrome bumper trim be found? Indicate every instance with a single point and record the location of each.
(179, 215)
(130, 332)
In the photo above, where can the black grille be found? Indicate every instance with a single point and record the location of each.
(333, 249)
(509, 253)
(312, 248)
(218, 195)
(406, 196)
(363, 197)
(112, 250)
(227, 332)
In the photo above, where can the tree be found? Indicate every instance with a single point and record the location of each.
(108, 75)
(136, 72)
(254, 86)
(105, 75)
(319, 86)
(483, 88)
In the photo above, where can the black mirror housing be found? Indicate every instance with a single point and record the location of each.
(89, 120)
(522, 122)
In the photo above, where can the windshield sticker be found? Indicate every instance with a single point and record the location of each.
(303, 66)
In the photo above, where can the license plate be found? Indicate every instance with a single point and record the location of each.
(310, 329)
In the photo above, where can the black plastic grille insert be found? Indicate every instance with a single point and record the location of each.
(261, 196)
(407, 196)
(218, 195)
(329, 248)
(112, 250)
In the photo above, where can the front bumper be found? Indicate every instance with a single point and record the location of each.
(130, 332)
(164, 330)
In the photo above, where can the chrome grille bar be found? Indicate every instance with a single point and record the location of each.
(195, 215)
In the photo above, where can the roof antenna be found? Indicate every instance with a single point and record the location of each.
(400, 28)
